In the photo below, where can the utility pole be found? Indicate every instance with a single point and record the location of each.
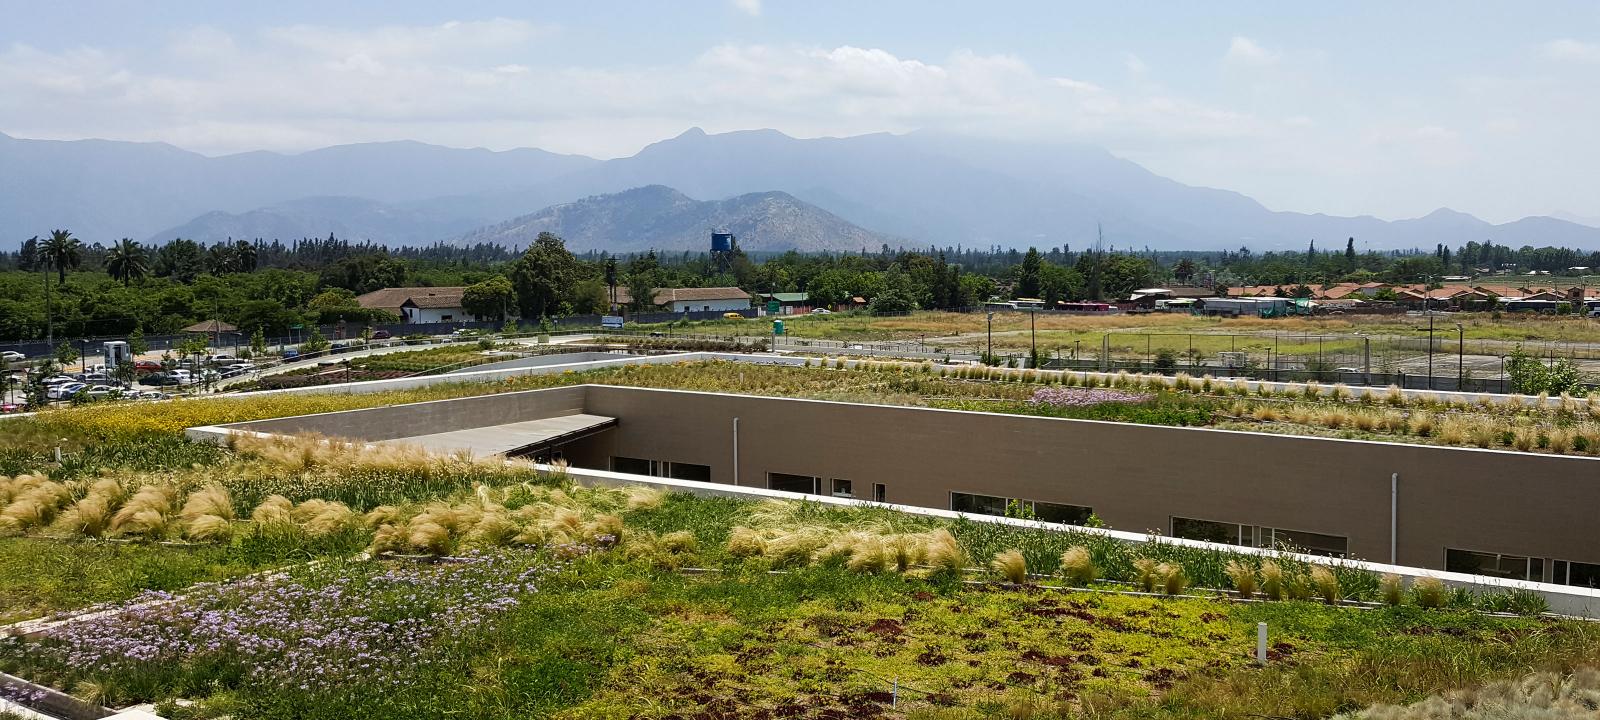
(49, 318)
(1033, 356)
(1430, 349)
(989, 356)
(1461, 357)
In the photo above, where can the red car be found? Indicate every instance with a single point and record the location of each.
(6, 408)
(380, 335)
(146, 366)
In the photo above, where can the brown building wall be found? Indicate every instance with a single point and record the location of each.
(1135, 477)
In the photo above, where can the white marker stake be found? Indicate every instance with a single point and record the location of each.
(1261, 643)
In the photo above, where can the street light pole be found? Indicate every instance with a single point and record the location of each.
(1461, 357)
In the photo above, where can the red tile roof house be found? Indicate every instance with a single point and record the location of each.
(419, 304)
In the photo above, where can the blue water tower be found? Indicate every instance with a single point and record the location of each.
(721, 242)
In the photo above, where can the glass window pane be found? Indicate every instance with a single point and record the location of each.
(792, 483)
(1583, 574)
(1058, 513)
(633, 466)
(688, 471)
(1312, 543)
(1512, 567)
(880, 492)
(841, 488)
(977, 504)
(1206, 530)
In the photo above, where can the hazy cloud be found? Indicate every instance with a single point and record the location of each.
(748, 7)
(1243, 50)
(1571, 50)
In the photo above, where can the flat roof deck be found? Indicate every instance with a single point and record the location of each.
(510, 439)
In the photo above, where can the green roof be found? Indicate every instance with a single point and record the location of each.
(785, 297)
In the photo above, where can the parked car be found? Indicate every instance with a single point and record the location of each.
(291, 354)
(160, 378)
(221, 359)
(732, 316)
(154, 395)
(146, 366)
(11, 407)
(96, 376)
(57, 380)
(821, 311)
(101, 392)
(243, 367)
(381, 335)
(12, 356)
(462, 332)
(64, 390)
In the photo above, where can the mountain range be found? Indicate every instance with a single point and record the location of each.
(775, 191)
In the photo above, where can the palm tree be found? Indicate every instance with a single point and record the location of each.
(62, 251)
(127, 262)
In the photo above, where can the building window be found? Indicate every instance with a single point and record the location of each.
(1511, 567)
(794, 483)
(977, 504)
(993, 505)
(689, 471)
(841, 489)
(633, 466)
(1257, 536)
(1565, 572)
(446, 318)
(1058, 513)
(880, 493)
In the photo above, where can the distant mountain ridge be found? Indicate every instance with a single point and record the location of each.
(656, 217)
(927, 188)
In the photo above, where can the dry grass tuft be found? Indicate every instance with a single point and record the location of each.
(207, 528)
(1326, 585)
(1274, 584)
(1392, 589)
(274, 513)
(1243, 577)
(1146, 574)
(1077, 565)
(145, 514)
(744, 542)
(1173, 579)
(321, 518)
(213, 500)
(1429, 592)
(1011, 566)
(944, 553)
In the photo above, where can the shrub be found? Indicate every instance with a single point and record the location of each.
(1077, 566)
(869, 556)
(1243, 578)
(207, 528)
(1430, 592)
(794, 548)
(681, 541)
(1011, 566)
(211, 500)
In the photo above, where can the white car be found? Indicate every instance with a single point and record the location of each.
(221, 359)
(64, 390)
(821, 311)
(57, 380)
(12, 356)
(96, 376)
(241, 367)
(153, 395)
